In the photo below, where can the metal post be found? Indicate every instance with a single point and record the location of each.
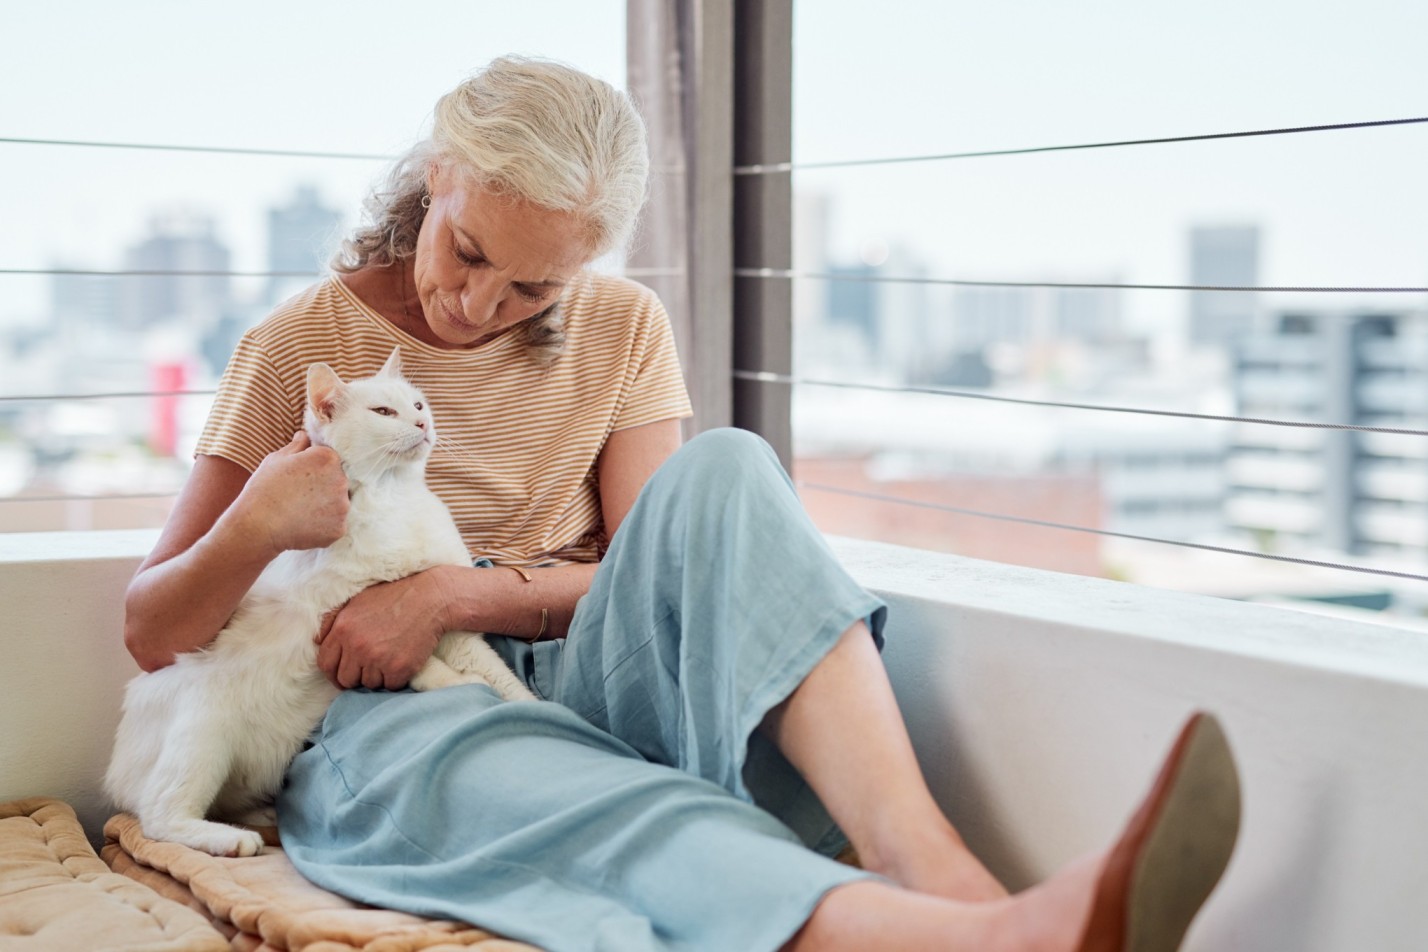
(763, 212)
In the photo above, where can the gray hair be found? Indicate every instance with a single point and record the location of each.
(536, 130)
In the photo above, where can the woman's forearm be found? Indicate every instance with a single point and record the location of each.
(165, 616)
(500, 601)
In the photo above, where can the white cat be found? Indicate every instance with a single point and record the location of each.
(215, 730)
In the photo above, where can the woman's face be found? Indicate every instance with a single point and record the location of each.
(485, 262)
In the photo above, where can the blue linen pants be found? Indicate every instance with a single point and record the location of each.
(637, 808)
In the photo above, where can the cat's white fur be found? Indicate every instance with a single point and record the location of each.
(214, 732)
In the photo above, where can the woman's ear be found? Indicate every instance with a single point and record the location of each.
(324, 391)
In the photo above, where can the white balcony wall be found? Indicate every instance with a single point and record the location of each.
(1040, 705)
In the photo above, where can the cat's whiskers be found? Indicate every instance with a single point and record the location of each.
(458, 450)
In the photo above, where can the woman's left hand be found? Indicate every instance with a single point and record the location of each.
(384, 634)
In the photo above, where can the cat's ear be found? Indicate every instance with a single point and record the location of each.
(393, 366)
(324, 390)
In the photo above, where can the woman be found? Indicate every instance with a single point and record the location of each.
(719, 689)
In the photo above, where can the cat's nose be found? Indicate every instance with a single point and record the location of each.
(421, 424)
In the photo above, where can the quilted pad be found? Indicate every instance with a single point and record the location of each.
(55, 893)
(263, 903)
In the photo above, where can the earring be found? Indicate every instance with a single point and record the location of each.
(426, 201)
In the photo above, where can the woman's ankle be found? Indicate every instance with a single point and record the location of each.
(930, 857)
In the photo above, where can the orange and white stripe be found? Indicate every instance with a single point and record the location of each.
(517, 441)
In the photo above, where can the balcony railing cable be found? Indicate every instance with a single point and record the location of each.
(161, 273)
(119, 395)
(1004, 517)
(964, 283)
(779, 379)
(214, 149)
(767, 377)
(774, 168)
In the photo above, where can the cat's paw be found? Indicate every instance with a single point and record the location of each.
(241, 843)
(219, 839)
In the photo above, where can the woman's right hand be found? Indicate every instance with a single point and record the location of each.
(297, 497)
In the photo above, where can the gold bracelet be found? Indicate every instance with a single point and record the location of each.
(544, 612)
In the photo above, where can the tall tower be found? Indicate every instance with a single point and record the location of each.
(1223, 256)
(177, 242)
(301, 235)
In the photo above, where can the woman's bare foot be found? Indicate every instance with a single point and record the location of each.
(1140, 894)
(877, 915)
(932, 859)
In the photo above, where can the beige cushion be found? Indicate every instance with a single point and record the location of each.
(263, 903)
(55, 892)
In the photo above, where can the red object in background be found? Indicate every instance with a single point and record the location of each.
(165, 379)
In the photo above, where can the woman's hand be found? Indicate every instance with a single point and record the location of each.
(383, 636)
(297, 497)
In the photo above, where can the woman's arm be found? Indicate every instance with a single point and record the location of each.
(384, 635)
(224, 530)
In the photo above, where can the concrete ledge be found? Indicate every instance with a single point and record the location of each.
(64, 665)
(1040, 705)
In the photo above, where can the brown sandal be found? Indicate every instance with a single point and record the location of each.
(1174, 849)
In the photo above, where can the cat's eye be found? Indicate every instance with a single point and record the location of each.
(384, 411)
(417, 405)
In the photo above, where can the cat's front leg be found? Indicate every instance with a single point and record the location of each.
(186, 780)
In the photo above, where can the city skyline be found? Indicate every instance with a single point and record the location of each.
(1340, 208)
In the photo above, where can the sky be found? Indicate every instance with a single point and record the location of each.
(311, 75)
(919, 77)
(1336, 209)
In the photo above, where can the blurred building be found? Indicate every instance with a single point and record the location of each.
(81, 303)
(1223, 256)
(1300, 489)
(1156, 477)
(1034, 318)
(177, 242)
(301, 238)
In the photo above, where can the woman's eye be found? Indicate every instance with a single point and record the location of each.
(384, 411)
(469, 260)
(530, 295)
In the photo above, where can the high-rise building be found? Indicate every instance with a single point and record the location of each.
(177, 242)
(80, 303)
(1349, 491)
(1223, 256)
(301, 237)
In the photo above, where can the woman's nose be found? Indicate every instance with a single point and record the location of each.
(481, 296)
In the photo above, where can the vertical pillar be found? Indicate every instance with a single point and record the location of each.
(763, 211)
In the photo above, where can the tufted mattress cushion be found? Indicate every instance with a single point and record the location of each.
(55, 893)
(262, 903)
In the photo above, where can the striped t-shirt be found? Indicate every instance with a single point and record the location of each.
(516, 441)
